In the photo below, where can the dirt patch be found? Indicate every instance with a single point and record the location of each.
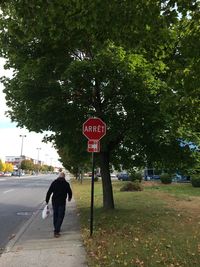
(151, 183)
(190, 204)
(187, 204)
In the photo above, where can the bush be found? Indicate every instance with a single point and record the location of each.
(166, 178)
(96, 178)
(195, 180)
(135, 176)
(132, 186)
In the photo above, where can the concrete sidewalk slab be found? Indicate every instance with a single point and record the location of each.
(35, 244)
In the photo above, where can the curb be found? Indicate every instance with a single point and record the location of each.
(13, 241)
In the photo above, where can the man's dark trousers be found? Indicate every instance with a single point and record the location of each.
(58, 216)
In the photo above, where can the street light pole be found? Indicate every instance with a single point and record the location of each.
(38, 149)
(22, 136)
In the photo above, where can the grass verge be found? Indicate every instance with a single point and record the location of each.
(146, 228)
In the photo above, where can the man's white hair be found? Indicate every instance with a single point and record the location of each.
(62, 174)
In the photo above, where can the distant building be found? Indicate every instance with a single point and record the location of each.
(15, 160)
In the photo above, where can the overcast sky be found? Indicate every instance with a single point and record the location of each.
(10, 140)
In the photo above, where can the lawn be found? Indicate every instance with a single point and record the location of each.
(156, 227)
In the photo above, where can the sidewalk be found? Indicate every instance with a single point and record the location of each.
(35, 245)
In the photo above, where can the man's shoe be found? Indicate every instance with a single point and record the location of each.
(56, 235)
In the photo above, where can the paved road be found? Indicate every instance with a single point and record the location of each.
(19, 199)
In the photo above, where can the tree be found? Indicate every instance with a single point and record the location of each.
(37, 168)
(1, 165)
(50, 168)
(115, 60)
(27, 165)
(8, 167)
(73, 157)
(44, 168)
(184, 70)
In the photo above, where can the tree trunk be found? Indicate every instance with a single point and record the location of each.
(108, 201)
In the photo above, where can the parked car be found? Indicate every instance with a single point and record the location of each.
(152, 177)
(151, 174)
(113, 176)
(1, 174)
(7, 174)
(179, 178)
(123, 176)
(98, 174)
(17, 173)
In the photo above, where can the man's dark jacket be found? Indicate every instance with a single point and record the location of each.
(60, 189)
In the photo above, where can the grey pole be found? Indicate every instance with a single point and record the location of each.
(92, 197)
(22, 144)
(38, 149)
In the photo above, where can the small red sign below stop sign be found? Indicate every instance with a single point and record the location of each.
(93, 146)
(94, 128)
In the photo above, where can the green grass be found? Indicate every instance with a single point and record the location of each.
(177, 189)
(143, 230)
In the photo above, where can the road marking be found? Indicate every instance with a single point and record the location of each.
(10, 190)
(2, 179)
(25, 213)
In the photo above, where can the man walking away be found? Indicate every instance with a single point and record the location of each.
(61, 190)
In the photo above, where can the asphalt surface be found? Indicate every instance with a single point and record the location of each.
(19, 200)
(34, 243)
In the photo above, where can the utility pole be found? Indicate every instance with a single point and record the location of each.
(22, 144)
(38, 155)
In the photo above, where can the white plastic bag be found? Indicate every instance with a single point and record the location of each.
(46, 212)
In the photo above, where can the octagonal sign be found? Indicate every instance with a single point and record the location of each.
(94, 128)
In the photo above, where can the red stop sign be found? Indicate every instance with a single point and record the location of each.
(94, 128)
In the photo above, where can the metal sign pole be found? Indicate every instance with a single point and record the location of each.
(92, 196)
(93, 129)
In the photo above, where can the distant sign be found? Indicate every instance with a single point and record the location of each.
(93, 146)
(94, 129)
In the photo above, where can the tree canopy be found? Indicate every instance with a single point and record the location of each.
(1, 165)
(27, 165)
(128, 62)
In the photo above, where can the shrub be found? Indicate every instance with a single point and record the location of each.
(135, 176)
(195, 180)
(132, 186)
(166, 178)
(96, 178)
